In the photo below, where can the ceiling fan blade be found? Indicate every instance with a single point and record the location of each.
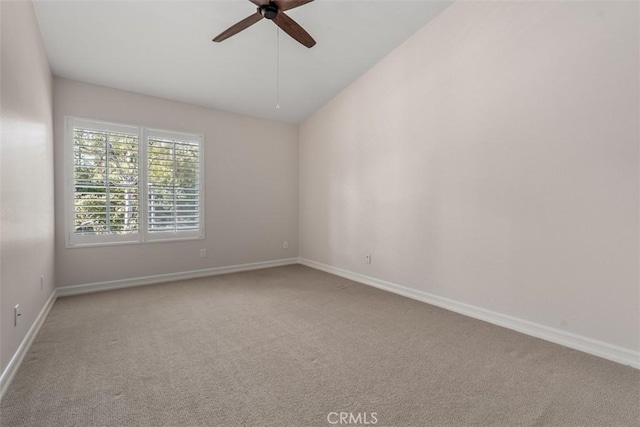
(236, 28)
(259, 2)
(290, 4)
(292, 28)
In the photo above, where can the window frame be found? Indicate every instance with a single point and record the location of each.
(143, 236)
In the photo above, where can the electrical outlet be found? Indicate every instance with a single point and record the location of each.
(16, 315)
(42, 283)
(203, 253)
(285, 245)
(368, 259)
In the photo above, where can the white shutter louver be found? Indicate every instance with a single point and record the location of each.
(173, 182)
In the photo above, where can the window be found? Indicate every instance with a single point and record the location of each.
(130, 184)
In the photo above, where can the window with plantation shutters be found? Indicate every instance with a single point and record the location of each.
(173, 183)
(130, 184)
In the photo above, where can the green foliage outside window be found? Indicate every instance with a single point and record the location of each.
(106, 176)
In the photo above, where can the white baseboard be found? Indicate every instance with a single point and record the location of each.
(171, 277)
(16, 360)
(557, 336)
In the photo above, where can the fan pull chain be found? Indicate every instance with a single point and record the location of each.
(277, 67)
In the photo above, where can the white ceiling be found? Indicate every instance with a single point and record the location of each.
(164, 48)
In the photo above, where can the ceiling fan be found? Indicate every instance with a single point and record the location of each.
(274, 11)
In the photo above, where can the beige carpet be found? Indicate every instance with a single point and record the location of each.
(286, 347)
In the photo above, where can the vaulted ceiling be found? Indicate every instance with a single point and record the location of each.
(164, 48)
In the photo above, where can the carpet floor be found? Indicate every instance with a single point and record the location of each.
(292, 346)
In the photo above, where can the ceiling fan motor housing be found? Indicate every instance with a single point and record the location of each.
(269, 11)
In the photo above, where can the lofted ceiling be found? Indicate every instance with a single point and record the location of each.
(164, 48)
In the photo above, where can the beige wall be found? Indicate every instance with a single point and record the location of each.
(251, 168)
(26, 166)
(491, 159)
